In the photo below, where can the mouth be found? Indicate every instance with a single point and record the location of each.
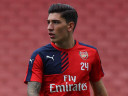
(52, 36)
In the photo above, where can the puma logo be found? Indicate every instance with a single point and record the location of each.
(31, 60)
(51, 57)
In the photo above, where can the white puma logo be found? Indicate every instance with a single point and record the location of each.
(50, 57)
(31, 60)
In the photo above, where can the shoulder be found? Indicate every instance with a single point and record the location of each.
(88, 46)
(45, 48)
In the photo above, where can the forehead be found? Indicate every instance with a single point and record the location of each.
(55, 16)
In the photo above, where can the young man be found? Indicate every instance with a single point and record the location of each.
(65, 67)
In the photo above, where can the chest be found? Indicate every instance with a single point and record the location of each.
(75, 61)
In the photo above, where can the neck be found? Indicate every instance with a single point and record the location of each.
(67, 44)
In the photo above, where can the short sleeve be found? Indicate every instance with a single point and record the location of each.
(35, 69)
(96, 71)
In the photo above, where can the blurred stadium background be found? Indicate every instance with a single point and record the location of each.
(101, 23)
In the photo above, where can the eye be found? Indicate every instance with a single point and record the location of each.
(56, 22)
(48, 21)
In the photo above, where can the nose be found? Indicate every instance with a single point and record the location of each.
(50, 27)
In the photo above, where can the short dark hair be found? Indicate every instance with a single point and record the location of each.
(67, 12)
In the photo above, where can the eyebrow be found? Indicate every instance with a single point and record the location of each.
(52, 20)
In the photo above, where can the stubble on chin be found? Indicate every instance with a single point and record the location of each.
(53, 41)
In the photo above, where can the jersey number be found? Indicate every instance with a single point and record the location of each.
(84, 66)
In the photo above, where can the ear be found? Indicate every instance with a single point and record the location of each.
(71, 26)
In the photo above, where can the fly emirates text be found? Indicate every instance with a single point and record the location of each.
(66, 87)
